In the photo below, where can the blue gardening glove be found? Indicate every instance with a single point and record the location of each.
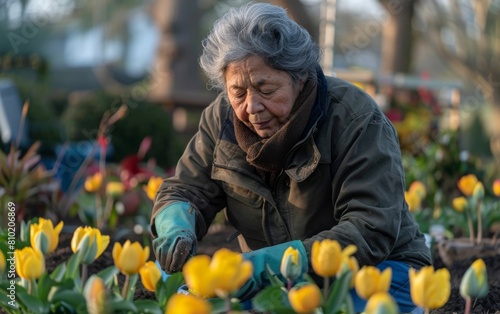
(176, 241)
(271, 256)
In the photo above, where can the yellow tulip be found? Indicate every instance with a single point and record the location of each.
(419, 189)
(291, 264)
(370, 280)
(459, 204)
(187, 304)
(305, 298)
(115, 188)
(230, 270)
(131, 257)
(430, 289)
(496, 187)
(150, 274)
(93, 183)
(327, 257)
(466, 184)
(91, 238)
(478, 191)
(3, 263)
(474, 283)
(152, 186)
(224, 274)
(30, 263)
(198, 277)
(381, 303)
(95, 295)
(45, 228)
(412, 200)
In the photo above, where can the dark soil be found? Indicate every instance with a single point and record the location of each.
(217, 238)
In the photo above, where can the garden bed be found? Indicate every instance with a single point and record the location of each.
(216, 238)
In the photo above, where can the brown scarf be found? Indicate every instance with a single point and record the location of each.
(268, 155)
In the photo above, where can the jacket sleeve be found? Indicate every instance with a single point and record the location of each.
(367, 181)
(192, 182)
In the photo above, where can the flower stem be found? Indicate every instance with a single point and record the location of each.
(125, 287)
(290, 284)
(470, 227)
(479, 222)
(326, 287)
(84, 274)
(228, 304)
(427, 311)
(468, 305)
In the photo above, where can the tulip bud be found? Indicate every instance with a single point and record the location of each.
(95, 295)
(3, 263)
(413, 201)
(48, 243)
(90, 241)
(152, 186)
(326, 257)
(130, 258)
(150, 275)
(466, 184)
(496, 187)
(430, 289)
(30, 263)
(291, 264)
(304, 298)
(370, 280)
(478, 191)
(419, 189)
(474, 283)
(115, 188)
(459, 204)
(381, 303)
(41, 242)
(93, 183)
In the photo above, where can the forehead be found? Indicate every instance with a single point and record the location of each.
(253, 70)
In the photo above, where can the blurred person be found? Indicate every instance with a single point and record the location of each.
(292, 156)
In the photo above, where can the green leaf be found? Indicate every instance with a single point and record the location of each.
(273, 300)
(273, 277)
(70, 297)
(30, 302)
(4, 303)
(165, 289)
(338, 293)
(45, 283)
(72, 266)
(148, 306)
(131, 287)
(59, 272)
(219, 305)
(122, 305)
(108, 274)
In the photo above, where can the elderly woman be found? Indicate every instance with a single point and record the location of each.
(291, 155)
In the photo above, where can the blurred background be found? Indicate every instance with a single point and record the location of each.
(433, 66)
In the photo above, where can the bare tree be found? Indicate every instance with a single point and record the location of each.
(467, 35)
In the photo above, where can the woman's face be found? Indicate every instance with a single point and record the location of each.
(261, 96)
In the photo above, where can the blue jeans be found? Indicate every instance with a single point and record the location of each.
(399, 290)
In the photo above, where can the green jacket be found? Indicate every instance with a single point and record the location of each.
(344, 181)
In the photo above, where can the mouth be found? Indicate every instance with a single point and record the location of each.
(261, 125)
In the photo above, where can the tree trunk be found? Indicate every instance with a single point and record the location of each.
(176, 77)
(397, 37)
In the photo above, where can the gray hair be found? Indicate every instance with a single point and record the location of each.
(258, 29)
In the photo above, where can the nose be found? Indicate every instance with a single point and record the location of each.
(254, 103)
